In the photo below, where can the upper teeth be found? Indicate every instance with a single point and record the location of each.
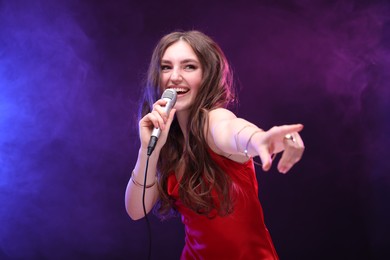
(180, 89)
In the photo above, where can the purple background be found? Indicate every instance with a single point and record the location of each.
(70, 75)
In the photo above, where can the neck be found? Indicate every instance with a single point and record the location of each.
(182, 118)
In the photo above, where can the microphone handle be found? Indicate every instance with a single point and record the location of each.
(157, 131)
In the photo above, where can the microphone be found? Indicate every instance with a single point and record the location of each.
(170, 96)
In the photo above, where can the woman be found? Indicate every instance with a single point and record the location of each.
(204, 168)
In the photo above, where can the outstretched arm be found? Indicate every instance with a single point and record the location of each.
(237, 136)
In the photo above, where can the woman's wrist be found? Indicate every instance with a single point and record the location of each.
(249, 143)
(140, 184)
(244, 137)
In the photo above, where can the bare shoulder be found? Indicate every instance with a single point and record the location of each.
(220, 114)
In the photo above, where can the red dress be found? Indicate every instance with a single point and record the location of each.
(240, 235)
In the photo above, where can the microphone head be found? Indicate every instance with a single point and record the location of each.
(170, 94)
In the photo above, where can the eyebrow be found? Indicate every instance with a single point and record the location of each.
(182, 62)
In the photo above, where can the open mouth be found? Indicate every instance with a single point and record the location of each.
(180, 91)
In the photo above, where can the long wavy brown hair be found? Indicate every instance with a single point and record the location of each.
(201, 174)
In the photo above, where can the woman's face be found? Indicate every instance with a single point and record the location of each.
(181, 71)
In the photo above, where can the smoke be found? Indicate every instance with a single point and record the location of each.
(333, 47)
(57, 125)
(69, 81)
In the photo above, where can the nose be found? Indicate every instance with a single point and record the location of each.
(176, 76)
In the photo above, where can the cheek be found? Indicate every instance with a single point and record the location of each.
(163, 80)
(198, 83)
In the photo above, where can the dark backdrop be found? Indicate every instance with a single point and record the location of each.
(70, 77)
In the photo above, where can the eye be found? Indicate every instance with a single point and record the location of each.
(190, 67)
(165, 67)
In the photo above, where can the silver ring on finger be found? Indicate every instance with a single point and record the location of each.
(289, 137)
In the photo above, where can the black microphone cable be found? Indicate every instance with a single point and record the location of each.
(170, 95)
(144, 208)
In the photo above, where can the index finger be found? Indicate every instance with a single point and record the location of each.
(281, 131)
(159, 107)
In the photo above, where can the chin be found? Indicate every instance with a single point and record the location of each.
(181, 107)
